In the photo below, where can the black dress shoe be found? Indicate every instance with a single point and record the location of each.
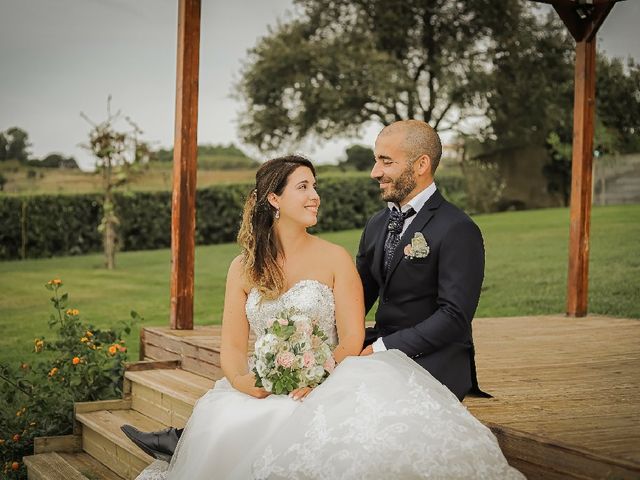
(160, 445)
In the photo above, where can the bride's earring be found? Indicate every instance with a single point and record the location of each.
(277, 215)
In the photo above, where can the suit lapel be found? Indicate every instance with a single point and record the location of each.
(378, 253)
(424, 215)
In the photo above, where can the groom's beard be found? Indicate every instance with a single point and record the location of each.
(400, 187)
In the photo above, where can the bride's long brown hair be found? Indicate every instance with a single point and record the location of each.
(257, 236)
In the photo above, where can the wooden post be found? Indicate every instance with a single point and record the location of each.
(185, 149)
(581, 178)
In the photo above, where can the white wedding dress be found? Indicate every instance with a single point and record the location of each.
(376, 417)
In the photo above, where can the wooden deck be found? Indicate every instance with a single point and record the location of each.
(566, 391)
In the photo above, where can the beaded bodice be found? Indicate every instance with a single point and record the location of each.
(310, 297)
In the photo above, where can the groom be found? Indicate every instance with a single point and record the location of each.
(423, 260)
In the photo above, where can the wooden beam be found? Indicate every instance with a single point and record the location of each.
(583, 28)
(581, 178)
(183, 205)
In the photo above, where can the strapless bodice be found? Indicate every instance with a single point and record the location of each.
(310, 297)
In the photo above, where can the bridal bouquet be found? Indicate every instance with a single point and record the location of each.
(293, 353)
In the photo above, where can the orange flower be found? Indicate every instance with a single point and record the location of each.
(15, 466)
(16, 438)
(53, 371)
(88, 334)
(18, 413)
(2, 441)
(55, 281)
(75, 360)
(113, 349)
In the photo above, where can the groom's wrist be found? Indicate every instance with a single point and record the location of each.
(379, 346)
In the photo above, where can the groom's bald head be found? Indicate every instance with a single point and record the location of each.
(418, 138)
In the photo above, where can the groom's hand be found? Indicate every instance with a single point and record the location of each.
(367, 351)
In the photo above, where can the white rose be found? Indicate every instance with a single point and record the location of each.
(267, 385)
(261, 368)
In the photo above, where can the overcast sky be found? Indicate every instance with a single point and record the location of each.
(62, 57)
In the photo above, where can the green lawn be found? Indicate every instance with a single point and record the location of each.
(525, 275)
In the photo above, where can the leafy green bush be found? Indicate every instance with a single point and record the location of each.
(54, 225)
(81, 363)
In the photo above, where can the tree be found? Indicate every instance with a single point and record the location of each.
(55, 160)
(4, 144)
(359, 158)
(345, 62)
(618, 101)
(17, 144)
(112, 149)
(531, 86)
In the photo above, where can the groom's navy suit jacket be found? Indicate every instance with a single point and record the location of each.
(425, 305)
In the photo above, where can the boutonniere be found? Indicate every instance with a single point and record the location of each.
(418, 248)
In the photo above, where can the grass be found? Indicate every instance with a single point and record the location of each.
(526, 255)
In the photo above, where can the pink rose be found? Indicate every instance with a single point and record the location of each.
(303, 328)
(309, 359)
(285, 359)
(283, 322)
(329, 364)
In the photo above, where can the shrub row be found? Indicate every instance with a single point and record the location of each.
(55, 225)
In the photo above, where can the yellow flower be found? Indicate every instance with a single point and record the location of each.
(53, 371)
(18, 413)
(113, 349)
(73, 311)
(84, 339)
(75, 360)
(89, 334)
(39, 345)
(2, 441)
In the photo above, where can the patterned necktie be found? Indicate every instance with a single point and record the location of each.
(394, 229)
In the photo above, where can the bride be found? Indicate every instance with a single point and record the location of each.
(377, 416)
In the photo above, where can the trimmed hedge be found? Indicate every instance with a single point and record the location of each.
(55, 225)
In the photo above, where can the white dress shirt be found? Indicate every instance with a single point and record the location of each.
(416, 203)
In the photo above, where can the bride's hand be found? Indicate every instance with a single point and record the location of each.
(300, 393)
(247, 384)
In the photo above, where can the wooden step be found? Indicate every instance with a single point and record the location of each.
(103, 439)
(67, 466)
(166, 395)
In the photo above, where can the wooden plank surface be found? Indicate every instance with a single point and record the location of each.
(570, 380)
(51, 466)
(89, 466)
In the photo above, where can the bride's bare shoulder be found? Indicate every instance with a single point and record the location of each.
(236, 274)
